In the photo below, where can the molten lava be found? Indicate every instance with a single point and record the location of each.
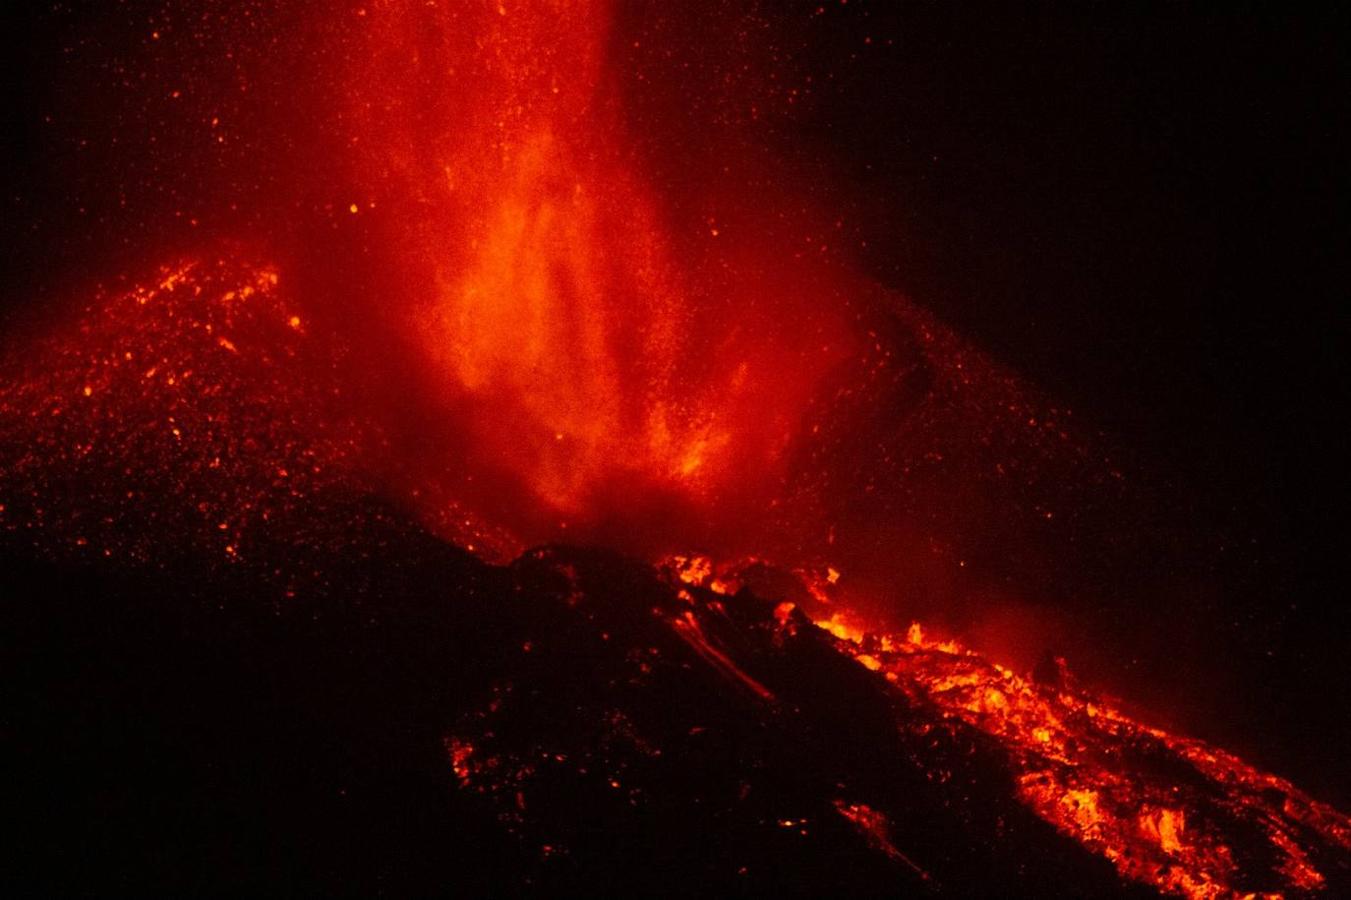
(1101, 777)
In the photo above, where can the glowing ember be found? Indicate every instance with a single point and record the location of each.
(200, 407)
(873, 825)
(190, 393)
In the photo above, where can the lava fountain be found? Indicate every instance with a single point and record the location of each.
(593, 354)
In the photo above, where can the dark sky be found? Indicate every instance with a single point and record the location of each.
(1139, 210)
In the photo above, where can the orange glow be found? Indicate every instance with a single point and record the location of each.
(1094, 772)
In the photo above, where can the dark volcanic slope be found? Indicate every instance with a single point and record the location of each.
(433, 724)
(175, 735)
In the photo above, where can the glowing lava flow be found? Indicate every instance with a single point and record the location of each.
(1102, 777)
(1165, 809)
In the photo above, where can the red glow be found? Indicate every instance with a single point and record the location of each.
(587, 351)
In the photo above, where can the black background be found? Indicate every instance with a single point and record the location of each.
(1139, 209)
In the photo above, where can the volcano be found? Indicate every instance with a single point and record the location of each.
(308, 657)
(507, 474)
